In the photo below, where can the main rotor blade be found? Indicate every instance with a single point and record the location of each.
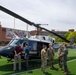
(15, 15)
(54, 33)
(29, 22)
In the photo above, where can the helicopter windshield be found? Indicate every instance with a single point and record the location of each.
(14, 42)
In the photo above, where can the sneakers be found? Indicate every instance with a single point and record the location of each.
(66, 73)
(46, 73)
(60, 69)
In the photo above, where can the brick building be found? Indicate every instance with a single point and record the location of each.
(6, 34)
(34, 32)
(3, 34)
(47, 33)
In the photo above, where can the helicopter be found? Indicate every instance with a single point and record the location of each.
(35, 42)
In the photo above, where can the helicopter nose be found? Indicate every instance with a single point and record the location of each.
(0, 52)
(3, 52)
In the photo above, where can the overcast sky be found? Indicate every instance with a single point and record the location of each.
(58, 14)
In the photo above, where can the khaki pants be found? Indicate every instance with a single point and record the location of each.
(19, 62)
(43, 66)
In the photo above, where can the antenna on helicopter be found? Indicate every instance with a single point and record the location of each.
(39, 29)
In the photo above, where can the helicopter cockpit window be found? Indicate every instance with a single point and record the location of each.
(14, 42)
(10, 42)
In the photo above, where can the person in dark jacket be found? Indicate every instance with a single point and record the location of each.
(65, 60)
(26, 51)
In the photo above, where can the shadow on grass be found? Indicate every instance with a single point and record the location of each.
(68, 59)
(8, 68)
(56, 69)
(34, 64)
(71, 58)
(71, 74)
(47, 73)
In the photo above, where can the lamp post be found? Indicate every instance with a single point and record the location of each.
(14, 23)
(27, 30)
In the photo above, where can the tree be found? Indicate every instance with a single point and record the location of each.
(66, 34)
(69, 35)
(60, 40)
(72, 35)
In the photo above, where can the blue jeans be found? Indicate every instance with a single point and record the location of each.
(27, 65)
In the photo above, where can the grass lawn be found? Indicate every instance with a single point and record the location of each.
(7, 68)
(71, 67)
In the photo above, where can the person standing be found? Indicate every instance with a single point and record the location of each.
(26, 54)
(17, 56)
(50, 54)
(43, 58)
(65, 60)
(60, 56)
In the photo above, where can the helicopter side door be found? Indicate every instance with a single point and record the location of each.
(40, 46)
(32, 48)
